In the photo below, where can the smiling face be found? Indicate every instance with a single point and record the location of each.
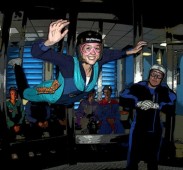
(155, 78)
(90, 52)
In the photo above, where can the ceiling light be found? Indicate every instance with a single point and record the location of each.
(146, 54)
(159, 59)
(103, 36)
(163, 44)
(13, 31)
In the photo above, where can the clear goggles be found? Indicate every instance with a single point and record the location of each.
(156, 74)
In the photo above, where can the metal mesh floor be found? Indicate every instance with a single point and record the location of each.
(119, 165)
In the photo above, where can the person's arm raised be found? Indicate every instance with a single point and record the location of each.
(57, 31)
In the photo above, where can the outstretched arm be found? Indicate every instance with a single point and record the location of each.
(110, 55)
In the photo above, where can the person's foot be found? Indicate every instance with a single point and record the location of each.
(14, 156)
(17, 61)
(38, 154)
(31, 154)
(52, 151)
(45, 135)
(20, 137)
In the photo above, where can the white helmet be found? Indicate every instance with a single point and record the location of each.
(158, 67)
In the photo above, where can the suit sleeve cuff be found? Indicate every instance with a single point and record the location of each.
(43, 47)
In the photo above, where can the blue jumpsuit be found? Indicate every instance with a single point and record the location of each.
(71, 75)
(110, 110)
(146, 129)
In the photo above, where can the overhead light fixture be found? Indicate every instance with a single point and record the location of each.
(103, 36)
(13, 31)
(158, 59)
(164, 44)
(146, 54)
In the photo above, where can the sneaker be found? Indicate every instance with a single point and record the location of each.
(14, 61)
(14, 156)
(20, 137)
(31, 154)
(53, 151)
(85, 131)
(45, 135)
(38, 154)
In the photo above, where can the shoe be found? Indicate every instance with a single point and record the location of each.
(45, 135)
(84, 131)
(38, 154)
(53, 151)
(31, 154)
(20, 137)
(14, 61)
(14, 156)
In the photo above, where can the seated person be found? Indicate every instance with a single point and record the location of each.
(109, 114)
(86, 114)
(38, 116)
(15, 117)
(58, 120)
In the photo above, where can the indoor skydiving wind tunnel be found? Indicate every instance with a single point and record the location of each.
(51, 134)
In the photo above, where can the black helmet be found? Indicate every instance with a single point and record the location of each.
(107, 87)
(88, 37)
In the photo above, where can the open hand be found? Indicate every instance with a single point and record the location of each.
(137, 48)
(56, 32)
